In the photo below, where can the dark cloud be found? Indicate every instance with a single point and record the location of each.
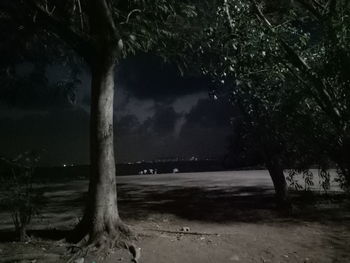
(29, 88)
(203, 132)
(62, 135)
(157, 114)
(211, 113)
(147, 77)
(127, 125)
(206, 129)
(150, 139)
(163, 121)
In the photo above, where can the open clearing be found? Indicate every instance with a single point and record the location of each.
(231, 217)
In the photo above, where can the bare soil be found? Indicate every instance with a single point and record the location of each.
(205, 217)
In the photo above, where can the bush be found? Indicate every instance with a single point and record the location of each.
(19, 194)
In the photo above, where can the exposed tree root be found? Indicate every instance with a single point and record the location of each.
(117, 235)
(183, 232)
(86, 234)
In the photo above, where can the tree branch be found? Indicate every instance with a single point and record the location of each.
(101, 20)
(332, 5)
(81, 16)
(227, 11)
(128, 17)
(317, 3)
(311, 9)
(80, 43)
(301, 65)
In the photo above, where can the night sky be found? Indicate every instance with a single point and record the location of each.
(158, 114)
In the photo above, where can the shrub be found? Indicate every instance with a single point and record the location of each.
(19, 194)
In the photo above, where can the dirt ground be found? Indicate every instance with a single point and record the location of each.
(230, 217)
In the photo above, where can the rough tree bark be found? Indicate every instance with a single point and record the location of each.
(22, 233)
(101, 224)
(279, 183)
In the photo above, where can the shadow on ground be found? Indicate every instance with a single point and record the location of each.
(45, 234)
(194, 203)
(217, 204)
(228, 204)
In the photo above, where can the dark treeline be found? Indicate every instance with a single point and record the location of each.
(60, 173)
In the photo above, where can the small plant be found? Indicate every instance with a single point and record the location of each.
(342, 180)
(293, 182)
(308, 179)
(19, 196)
(325, 181)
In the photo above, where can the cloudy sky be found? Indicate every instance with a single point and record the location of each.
(158, 114)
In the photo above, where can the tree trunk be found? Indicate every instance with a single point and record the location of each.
(101, 222)
(22, 233)
(279, 183)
